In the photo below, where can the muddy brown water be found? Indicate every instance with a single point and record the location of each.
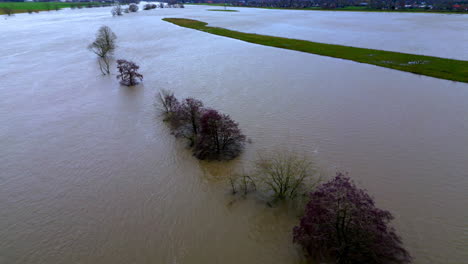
(89, 173)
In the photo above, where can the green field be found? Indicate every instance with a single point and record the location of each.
(348, 8)
(223, 10)
(24, 7)
(449, 69)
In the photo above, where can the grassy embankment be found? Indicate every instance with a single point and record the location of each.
(442, 68)
(348, 8)
(223, 10)
(25, 7)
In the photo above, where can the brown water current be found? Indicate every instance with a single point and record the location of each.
(90, 174)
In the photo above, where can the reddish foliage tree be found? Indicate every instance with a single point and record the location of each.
(341, 222)
(128, 72)
(220, 136)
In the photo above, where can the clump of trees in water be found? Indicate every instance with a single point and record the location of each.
(133, 8)
(128, 73)
(117, 10)
(211, 135)
(341, 223)
(103, 46)
(149, 6)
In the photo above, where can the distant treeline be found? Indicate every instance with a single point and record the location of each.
(447, 5)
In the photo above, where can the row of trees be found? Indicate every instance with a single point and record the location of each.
(118, 10)
(163, 5)
(211, 135)
(456, 5)
(340, 222)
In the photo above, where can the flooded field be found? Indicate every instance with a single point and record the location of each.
(89, 173)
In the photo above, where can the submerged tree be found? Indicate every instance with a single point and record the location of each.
(284, 174)
(117, 10)
(342, 223)
(128, 72)
(168, 102)
(189, 113)
(213, 135)
(104, 47)
(133, 8)
(220, 137)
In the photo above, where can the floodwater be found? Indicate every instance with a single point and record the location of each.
(89, 173)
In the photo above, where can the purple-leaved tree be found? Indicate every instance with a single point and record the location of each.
(342, 223)
(220, 136)
(128, 72)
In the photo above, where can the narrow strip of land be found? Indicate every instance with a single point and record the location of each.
(29, 7)
(223, 10)
(347, 8)
(449, 69)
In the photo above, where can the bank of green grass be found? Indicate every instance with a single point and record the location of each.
(223, 10)
(24, 7)
(442, 68)
(348, 8)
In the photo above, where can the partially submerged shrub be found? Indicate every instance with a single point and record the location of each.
(104, 46)
(117, 10)
(149, 6)
(284, 175)
(128, 72)
(341, 223)
(213, 135)
(133, 8)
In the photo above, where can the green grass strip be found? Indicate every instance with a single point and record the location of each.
(23, 7)
(223, 10)
(449, 69)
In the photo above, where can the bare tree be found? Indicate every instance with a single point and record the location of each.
(285, 173)
(117, 10)
(104, 46)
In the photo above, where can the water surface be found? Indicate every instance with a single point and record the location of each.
(89, 173)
